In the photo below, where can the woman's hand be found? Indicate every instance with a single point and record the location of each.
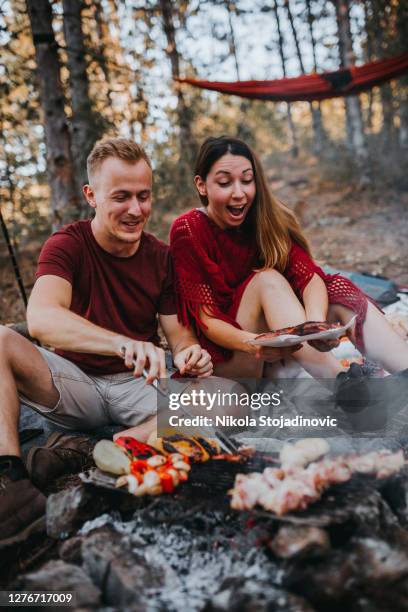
(269, 353)
(272, 354)
(324, 346)
(194, 361)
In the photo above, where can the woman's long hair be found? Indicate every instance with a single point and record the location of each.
(270, 222)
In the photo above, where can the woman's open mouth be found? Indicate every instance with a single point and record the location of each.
(237, 211)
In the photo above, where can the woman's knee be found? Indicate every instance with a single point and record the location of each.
(272, 279)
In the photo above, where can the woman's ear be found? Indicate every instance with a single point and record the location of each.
(200, 184)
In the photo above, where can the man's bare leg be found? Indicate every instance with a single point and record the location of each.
(139, 432)
(22, 369)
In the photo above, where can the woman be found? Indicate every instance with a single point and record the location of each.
(244, 266)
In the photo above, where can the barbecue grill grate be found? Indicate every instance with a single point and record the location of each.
(219, 474)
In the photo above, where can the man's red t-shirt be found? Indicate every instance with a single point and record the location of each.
(121, 294)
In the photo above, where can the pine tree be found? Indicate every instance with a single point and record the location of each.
(86, 125)
(378, 24)
(65, 197)
(402, 37)
(281, 44)
(320, 136)
(188, 147)
(354, 120)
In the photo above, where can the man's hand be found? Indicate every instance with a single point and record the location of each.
(194, 361)
(143, 355)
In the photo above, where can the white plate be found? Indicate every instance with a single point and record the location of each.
(291, 339)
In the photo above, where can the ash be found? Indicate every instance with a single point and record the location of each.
(189, 551)
(196, 549)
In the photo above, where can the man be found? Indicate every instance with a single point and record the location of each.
(99, 287)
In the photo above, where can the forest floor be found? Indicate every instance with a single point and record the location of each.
(349, 228)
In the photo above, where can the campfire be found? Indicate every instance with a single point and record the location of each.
(332, 536)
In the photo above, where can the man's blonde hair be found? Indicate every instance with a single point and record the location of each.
(121, 148)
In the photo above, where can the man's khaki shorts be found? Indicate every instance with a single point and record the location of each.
(87, 402)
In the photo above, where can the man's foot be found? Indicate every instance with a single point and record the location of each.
(370, 402)
(61, 454)
(22, 505)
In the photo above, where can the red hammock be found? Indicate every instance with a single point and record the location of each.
(308, 87)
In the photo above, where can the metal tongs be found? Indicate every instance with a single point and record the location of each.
(227, 444)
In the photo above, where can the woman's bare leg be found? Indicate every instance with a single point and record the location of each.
(382, 344)
(269, 302)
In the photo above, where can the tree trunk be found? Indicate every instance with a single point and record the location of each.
(354, 120)
(102, 30)
(317, 122)
(403, 113)
(243, 130)
(402, 30)
(369, 57)
(140, 102)
(379, 25)
(65, 198)
(142, 111)
(292, 130)
(9, 180)
(188, 147)
(321, 139)
(387, 103)
(232, 43)
(111, 60)
(86, 125)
